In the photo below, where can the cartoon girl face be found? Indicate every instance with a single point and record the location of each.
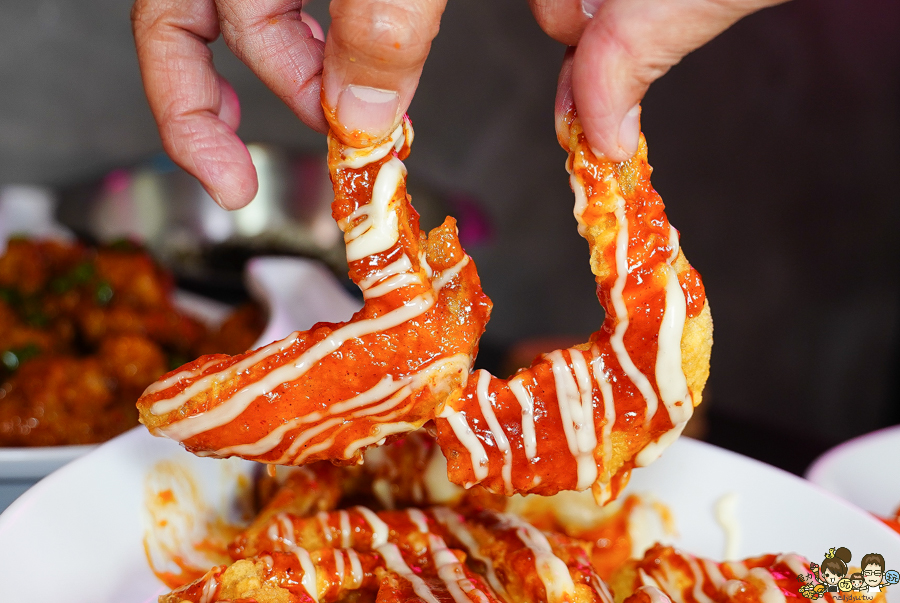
(829, 577)
(857, 583)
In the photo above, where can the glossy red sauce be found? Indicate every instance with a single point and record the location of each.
(668, 565)
(554, 467)
(451, 326)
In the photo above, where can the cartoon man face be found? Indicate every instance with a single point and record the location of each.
(872, 574)
(872, 569)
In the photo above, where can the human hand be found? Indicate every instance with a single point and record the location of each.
(619, 48)
(372, 59)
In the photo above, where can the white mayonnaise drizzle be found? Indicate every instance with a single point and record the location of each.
(656, 595)
(581, 202)
(602, 589)
(210, 588)
(576, 413)
(399, 266)
(715, 574)
(286, 528)
(302, 438)
(670, 380)
(380, 228)
(418, 518)
(552, 570)
(178, 377)
(380, 529)
(617, 340)
(671, 579)
(379, 432)
(346, 532)
(356, 158)
(450, 520)
(322, 516)
(526, 401)
(309, 572)
(477, 454)
(796, 563)
(699, 580)
(356, 571)
(500, 439)
(654, 450)
(392, 284)
(395, 563)
(585, 432)
(387, 389)
(451, 572)
(726, 516)
(339, 565)
(230, 408)
(598, 370)
(771, 593)
(444, 277)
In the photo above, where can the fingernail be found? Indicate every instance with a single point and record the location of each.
(630, 131)
(589, 7)
(369, 110)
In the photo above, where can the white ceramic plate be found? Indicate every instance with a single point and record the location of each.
(78, 534)
(864, 470)
(297, 292)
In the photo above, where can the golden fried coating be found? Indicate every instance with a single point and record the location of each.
(332, 391)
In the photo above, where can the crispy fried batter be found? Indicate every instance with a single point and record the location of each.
(328, 393)
(583, 417)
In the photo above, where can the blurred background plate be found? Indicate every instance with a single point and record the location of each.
(22, 467)
(864, 471)
(296, 293)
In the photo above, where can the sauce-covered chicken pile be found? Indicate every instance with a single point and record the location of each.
(83, 332)
(395, 530)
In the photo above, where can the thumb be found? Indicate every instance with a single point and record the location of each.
(629, 44)
(374, 54)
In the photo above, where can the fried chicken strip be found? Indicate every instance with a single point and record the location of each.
(330, 392)
(583, 417)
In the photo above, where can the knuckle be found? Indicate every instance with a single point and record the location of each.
(560, 21)
(232, 26)
(143, 15)
(647, 60)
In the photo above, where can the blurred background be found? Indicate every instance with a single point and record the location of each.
(776, 148)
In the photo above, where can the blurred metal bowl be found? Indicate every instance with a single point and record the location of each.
(164, 208)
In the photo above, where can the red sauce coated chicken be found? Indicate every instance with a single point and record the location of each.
(323, 535)
(576, 419)
(583, 417)
(330, 392)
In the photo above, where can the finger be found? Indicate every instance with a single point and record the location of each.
(314, 27)
(230, 108)
(629, 44)
(564, 20)
(195, 109)
(374, 56)
(277, 41)
(564, 99)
